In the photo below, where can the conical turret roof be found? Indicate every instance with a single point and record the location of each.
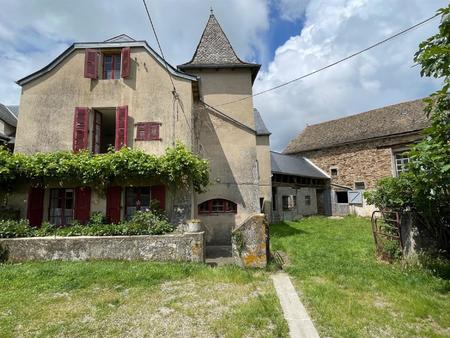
(215, 51)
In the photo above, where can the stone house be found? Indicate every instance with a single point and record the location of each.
(8, 124)
(119, 92)
(358, 150)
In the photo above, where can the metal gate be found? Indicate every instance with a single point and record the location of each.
(386, 226)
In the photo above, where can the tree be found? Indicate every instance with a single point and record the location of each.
(428, 176)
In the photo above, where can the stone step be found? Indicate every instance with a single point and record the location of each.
(219, 255)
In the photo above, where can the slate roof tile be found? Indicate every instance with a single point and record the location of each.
(382, 122)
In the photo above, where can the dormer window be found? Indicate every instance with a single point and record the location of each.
(111, 66)
(114, 64)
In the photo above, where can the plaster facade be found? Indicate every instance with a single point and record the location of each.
(225, 135)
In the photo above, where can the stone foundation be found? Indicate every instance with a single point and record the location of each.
(188, 247)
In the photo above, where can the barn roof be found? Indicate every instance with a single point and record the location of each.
(397, 119)
(9, 114)
(295, 165)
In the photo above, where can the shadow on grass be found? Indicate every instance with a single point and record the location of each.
(284, 229)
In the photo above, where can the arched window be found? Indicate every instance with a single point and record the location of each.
(216, 206)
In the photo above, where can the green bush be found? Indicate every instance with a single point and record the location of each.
(142, 223)
(178, 167)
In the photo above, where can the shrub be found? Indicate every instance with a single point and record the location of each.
(142, 223)
(12, 229)
(97, 218)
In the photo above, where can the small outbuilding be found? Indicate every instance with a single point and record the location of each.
(299, 188)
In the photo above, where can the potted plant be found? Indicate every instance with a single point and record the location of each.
(194, 225)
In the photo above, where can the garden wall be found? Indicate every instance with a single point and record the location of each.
(189, 247)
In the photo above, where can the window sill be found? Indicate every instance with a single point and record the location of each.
(153, 139)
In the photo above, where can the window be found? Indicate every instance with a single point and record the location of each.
(136, 199)
(261, 204)
(111, 66)
(147, 131)
(360, 185)
(61, 206)
(307, 200)
(401, 160)
(216, 206)
(334, 172)
(289, 202)
(97, 134)
(341, 197)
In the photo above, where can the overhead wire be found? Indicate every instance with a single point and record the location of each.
(174, 89)
(334, 63)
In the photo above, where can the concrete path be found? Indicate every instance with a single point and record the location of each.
(300, 325)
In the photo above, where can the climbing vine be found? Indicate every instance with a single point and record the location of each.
(178, 167)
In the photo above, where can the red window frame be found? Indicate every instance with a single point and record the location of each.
(98, 118)
(61, 198)
(211, 207)
(147, 131)
(115, 57)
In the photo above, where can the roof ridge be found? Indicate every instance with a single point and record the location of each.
(364, 112)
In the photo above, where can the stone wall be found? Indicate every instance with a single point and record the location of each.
(250, 242)
(188, 247)
(360, 162)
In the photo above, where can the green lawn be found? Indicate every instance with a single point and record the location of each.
(349, 293)
(136, 299)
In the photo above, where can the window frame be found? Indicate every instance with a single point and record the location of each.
(114, 56)
(360, 183)
(98, 120)
(341, 192)
(228, 207)
(334, 169)
(136, 199)
(307, 200)
(62, 198)
(400, 168)
(285, 202)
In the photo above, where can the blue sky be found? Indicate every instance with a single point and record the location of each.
(289, 37)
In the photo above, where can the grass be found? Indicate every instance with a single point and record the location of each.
(137, 299)
(349, 293)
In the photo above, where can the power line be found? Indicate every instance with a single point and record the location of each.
(174, 89)
(334, 63)
(159, 45)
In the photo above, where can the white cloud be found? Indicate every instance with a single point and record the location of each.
(34, 32)
(291, 10)
(333, 30)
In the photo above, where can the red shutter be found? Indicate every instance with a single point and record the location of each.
(153, 131)
(121, 126)
(159, 193)
(126, 62)
(90, 63)
(83, 204)
(113, 199)
(35, 209)
(80, 128)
